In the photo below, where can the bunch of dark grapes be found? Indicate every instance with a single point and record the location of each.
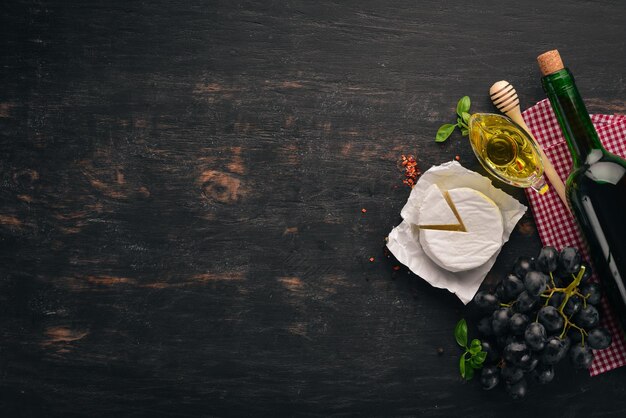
(542, 312)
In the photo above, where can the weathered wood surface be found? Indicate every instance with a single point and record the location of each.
(181, 190)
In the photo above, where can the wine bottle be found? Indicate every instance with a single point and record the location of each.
(596, 186)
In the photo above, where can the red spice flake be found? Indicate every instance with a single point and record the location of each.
(371, 259)
(363, 210)
(458, 157)
(411, 170)
(396, 268)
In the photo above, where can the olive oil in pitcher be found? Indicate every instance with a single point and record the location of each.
(505, 150)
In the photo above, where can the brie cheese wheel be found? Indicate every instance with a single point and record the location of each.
(468, 240)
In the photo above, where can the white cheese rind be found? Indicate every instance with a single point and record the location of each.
(435, 209)
(460, 251)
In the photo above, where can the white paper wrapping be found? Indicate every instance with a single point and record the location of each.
(404, 242)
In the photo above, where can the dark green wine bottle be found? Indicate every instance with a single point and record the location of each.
(596, 186)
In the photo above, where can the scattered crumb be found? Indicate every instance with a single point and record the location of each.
(364, 210)
(458, 158)
(526, 227)
(372, 259)
(440, 351)
(396, 268)
(411, 170)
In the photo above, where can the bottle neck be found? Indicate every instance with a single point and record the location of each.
(572, 115)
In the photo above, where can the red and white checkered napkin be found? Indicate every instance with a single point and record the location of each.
(556, 225)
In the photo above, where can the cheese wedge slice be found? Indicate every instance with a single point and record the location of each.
(438, 213)
(476, 241)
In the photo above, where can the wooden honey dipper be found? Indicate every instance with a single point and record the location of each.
(504, 97)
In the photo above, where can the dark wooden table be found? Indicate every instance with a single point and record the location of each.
(181, 190)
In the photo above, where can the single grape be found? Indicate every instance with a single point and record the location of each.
(551, 319)
(515, 352)
(572, 306)
(518, 323)
(535, 282)
(489, 377)
(531, 364)
(522, 266)
(489, 371)
(599, 339)
(512, 338)
(555, 350)
(574, 335)
(517, 390)
(581, 356)
(587, 317)
(486, 301)
(556, 299)
(525, 362)
(525, 302)
(535, 336)
(500, 321)
(504, 340)
(511, 374)
(593, 293)
(489, 383)
(501, 293)
(492, 354)
(561, 280)
(513, 285)
(484, 326)
(569, 260)
(548, 260)
(544, 374)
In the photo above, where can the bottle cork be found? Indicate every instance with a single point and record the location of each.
(550, 62)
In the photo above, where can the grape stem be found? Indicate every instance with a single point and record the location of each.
(568, 292)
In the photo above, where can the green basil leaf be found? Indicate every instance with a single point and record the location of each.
(477, 360)
(463, 105)
(469, 370)
(475, 346)
(480, 357)
(444, 132)
(462, 366)
(474, 363)
(466, 117)
(459, 123)
(464, 132)
(460, 333)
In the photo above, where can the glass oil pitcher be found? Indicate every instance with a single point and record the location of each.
(506, 151)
